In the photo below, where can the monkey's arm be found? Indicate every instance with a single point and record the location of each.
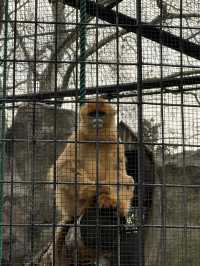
(122, 159)
(75, 186)
(126, 182)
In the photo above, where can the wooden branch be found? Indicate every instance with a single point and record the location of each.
(147, 30)
(91, 50)
(46, 85)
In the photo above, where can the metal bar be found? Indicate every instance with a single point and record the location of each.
(189, 227)
(55, 135)
(71, 23)
(83, 40)
(148, 31)
(13, 150)
(77, 148)
(105, 142)
(140, 133)
(108, 89)
(103, 184)
(163, 178)
(2, 126)
(118, 141)
(103, 62)
(97, 145)
(184, 190)
(49, 102)
(33, 148)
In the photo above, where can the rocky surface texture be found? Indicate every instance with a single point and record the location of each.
(29, 156)
(177, 207)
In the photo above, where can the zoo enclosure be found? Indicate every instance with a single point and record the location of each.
(144, 56)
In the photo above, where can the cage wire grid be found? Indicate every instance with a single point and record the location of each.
(143, 57)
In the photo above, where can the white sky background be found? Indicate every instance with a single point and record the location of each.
(108, 54)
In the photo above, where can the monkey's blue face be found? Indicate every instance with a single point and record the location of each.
(97, 119)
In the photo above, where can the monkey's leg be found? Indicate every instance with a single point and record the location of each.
(65, 202)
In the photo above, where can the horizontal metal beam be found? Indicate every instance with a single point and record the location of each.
(148, 31)
(107, 89)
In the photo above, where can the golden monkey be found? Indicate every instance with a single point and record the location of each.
(93, 164)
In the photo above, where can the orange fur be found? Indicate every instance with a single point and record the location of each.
(80, 189)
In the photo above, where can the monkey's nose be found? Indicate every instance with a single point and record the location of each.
(97, 123)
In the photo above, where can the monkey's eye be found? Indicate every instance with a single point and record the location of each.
(96, 114)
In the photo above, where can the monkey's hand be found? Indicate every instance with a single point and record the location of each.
(87, 195)
(106, 198)
(112, 196)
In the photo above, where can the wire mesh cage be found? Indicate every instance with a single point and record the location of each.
(99, 144)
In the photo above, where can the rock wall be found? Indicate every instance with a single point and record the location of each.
(27, 163)
(177, 207)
